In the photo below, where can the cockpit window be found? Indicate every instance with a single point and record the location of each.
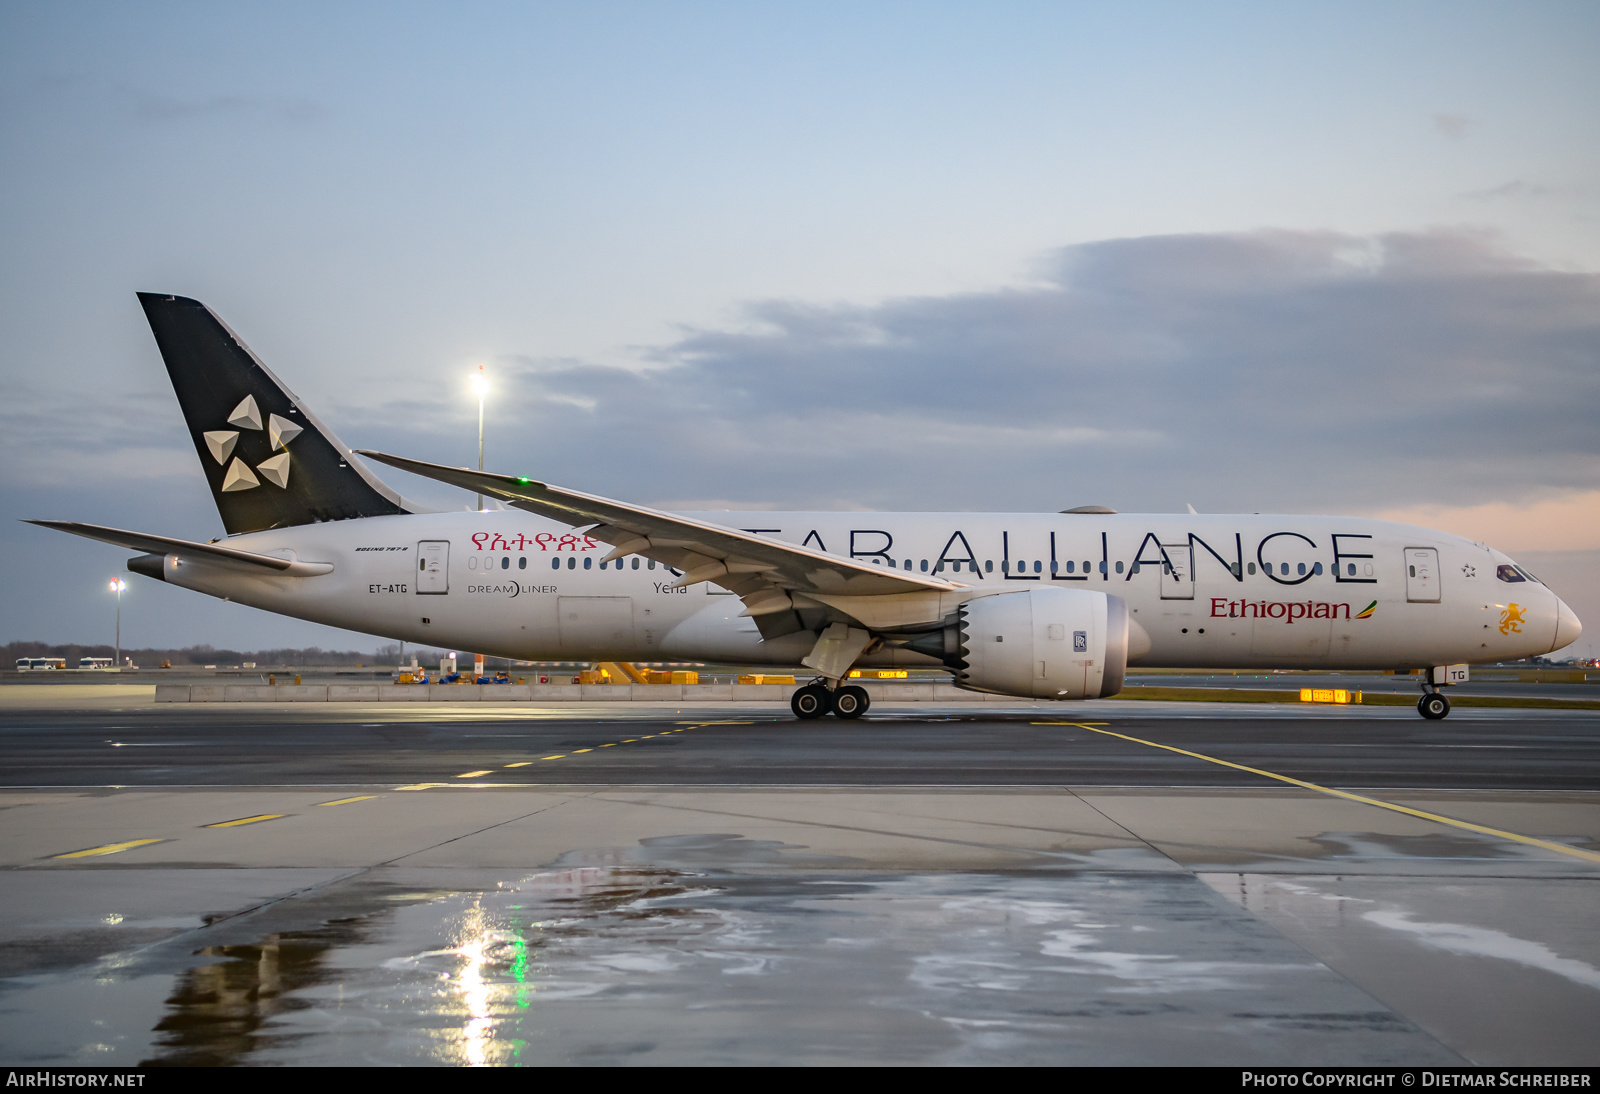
(1524, 572)
(1508, 573)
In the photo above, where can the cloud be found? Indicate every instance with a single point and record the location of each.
(1516, 188)
(1570, 522)
(1454, 126)
(1255, 371)
(163, 109)
(1421, 373)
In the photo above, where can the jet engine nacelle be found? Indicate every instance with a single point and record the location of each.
(1045, 643)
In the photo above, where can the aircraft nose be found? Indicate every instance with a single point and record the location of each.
(1568, 628)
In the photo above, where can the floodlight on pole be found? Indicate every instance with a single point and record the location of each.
(480, 387)
(117, 585)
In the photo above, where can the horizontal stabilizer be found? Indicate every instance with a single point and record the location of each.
(183, 548)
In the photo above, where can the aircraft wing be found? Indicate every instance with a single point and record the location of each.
(165, 545)
(763, 572)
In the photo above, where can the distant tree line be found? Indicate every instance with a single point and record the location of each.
(149, 658)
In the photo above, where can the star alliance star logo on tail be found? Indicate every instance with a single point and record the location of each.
(275, 469)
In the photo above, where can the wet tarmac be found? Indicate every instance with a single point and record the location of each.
(258, 886)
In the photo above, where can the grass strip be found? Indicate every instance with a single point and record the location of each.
(1371, 699)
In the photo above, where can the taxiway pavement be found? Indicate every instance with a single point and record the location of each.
(1096, 883)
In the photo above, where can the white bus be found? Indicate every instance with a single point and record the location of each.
(39, 664)
(94, 662)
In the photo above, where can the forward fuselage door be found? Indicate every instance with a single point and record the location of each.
(1177, 573)
(433, 566)
(1422, 574)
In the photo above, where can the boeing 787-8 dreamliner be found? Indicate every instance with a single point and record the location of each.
(1037, 605)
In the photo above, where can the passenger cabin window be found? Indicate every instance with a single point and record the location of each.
(522, 563)
(1119, 567)
(1504, 573)
(988, 565)
(587, 562)
(505, 562)
(1251, 568)
(635, 563)
(1317, 569)
(924, 565)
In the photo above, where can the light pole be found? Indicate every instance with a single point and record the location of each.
(117, 585)
(480, 386)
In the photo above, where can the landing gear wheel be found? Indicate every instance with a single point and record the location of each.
(1433, 706)
(850, 702)
(810, 702)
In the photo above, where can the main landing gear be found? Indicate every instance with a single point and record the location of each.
(816, 699)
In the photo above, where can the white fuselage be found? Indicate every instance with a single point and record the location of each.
(516, 585)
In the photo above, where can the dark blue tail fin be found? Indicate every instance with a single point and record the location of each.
(270, 462)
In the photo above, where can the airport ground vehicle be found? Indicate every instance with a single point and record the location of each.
(1052, 606)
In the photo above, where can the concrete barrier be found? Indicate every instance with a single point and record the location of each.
(768, 693)
(544, 693)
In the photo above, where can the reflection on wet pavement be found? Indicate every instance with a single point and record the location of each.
(1500, 970)
(656, 964)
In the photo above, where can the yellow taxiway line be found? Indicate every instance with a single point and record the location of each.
(246, 820)
(681, 726)
(108, 849)
(1547, 845)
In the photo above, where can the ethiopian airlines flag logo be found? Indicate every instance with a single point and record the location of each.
(1366, 613)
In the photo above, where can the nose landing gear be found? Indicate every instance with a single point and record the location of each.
(1433, 706)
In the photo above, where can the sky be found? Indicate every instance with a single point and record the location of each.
(1247, 257)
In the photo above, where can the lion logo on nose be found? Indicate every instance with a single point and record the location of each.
(1511, 619)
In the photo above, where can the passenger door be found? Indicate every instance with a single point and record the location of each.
(433, 566)
(1422, 575)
